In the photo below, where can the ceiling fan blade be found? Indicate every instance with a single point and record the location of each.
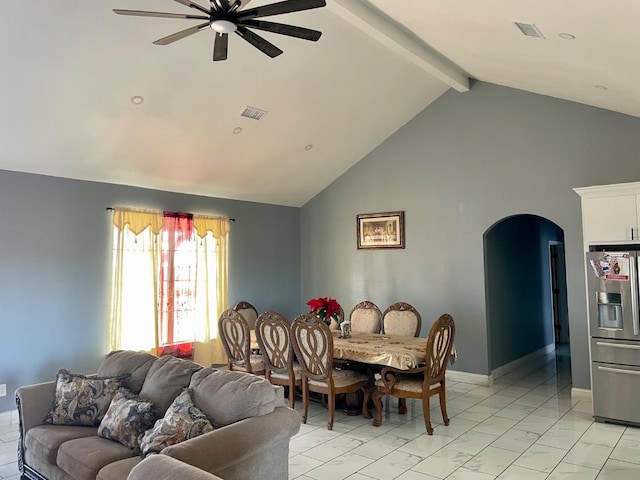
(220, 46)
(182, 34)
(282, 29)
(140, 13)
(190, 4)
(257, 41)
(288, 6)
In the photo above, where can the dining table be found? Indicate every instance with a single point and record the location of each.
(380, 349)
(376, 349)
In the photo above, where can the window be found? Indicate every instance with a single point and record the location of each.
(169, 281)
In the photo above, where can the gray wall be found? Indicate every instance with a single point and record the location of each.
(518, 283)
(458, 167)
(54, 267)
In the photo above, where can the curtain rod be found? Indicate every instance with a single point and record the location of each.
(112, 209)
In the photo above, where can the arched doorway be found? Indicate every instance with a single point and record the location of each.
(526, 295)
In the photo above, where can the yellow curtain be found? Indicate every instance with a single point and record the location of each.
(136, 266)
(134, 306)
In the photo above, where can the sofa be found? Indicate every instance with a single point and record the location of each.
(216, 423)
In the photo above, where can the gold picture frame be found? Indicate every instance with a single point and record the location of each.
(380, 230)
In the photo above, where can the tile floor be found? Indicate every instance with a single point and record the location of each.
(9, 445)
(524, 427)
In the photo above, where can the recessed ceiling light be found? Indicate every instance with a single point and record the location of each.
(308, 147)
(237, 130)
(600, 87)
(137, 100)
(566, 36)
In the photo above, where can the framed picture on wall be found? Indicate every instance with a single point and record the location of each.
(380, 230)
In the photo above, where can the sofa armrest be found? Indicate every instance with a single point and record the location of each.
(227, 446)
(160, 467)
(33, 403)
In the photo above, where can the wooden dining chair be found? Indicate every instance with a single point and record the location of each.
(248, 312)
(422, 382)
(313, 345)
(236, 340)
(274, 338)
(403, 319)
(365, 318)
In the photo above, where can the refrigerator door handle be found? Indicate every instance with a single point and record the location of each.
(634, 294)
(619, 370)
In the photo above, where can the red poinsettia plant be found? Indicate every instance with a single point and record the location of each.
(325, 308)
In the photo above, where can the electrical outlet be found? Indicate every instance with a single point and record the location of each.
(3, 390)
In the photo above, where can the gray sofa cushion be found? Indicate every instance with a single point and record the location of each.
(227, 397)
(166, 379)
(120, 362)
(45, 440)
(162, 466)
(83, 458)
(120, 470)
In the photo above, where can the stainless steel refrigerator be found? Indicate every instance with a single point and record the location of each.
(612, 282)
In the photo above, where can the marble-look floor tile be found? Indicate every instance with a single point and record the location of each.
(339, 468)
(516, 440)
(617, 470)
(567, 471)
(413, 475)
(559, 437)
(541, 458)
(380, 446)
(515, 412)
(492, 461)
(426, 445)
(588, 455)
(627, 450)
(495, 425)
(442, 463)
(603, 434)
(519, 473)
(535, 424)
(391, 465)
(333, 448)
(299, 465)
(472, 442)
(465, 474)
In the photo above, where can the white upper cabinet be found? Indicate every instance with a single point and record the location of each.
(610, 213)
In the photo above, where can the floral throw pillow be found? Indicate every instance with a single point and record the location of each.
(82, 400)
(127, 418)
(182, 421)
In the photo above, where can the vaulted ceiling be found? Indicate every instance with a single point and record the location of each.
(71, 69)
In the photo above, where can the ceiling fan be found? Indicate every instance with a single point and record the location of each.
(225, 17)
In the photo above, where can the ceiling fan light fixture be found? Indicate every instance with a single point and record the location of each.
(223, 26)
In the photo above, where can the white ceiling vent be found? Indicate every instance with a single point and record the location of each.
(255, 113)
(529, 29)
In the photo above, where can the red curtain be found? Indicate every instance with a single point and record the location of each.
(177, 278)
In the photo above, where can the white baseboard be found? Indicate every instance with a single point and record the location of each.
(9, 417)
(511, 366)
(472, 378)
(582, 394)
